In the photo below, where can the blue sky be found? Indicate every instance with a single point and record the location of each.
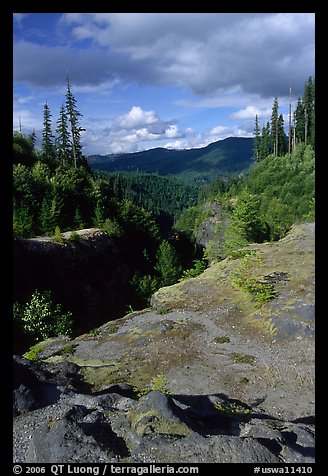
(145, 80)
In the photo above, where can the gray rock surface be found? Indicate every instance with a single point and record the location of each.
(206, 375)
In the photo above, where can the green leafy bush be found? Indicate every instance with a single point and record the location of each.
(243, 278)
(167, 265)
(234, 410)
(198, 268)
(42, 318)
(159, 382)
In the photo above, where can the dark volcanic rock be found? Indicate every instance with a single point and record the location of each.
(87, 276)
(111, 427)
(77, 436)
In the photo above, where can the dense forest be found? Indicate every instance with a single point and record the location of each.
(55, 190)
(193, 166)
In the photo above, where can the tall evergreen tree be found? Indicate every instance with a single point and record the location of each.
(62, 139)
(299, 121)
(47, 146)
(282, 139)
(265, 148)
(304, 115)
(32, 137)
(257, 145)
(73, 118)
(290, 122)
(309, 106)
(167, 265)
(275, 126)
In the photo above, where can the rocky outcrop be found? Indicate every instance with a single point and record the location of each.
(208, 229)
(86, 274)
(110, 426)
(210, 373)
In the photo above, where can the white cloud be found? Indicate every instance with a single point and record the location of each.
(27, 119)
(172, 131)
(136, 130)
(249, 113)
(220, 130)
(136, 117)
(24, 99)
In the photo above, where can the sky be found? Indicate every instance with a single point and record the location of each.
(146, 80)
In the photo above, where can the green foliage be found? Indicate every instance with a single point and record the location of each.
(111, 227)
(22, 222)
(193, 166)
(234, 410)
(222, 340)
(242, 358)
(48, 217)
(73, 115)
(58, 237)
(47, 147)
(243, 277)
(95, 331)
(112, 329)
(276, 193)
(161, 196)
(159, 382)
(144, 286)
(42, 318)
(167, 264)
(189, 220)
(23, 149)
(33, 352)
(198, 268)
(163, 310)
(285, 188)
(246, 221)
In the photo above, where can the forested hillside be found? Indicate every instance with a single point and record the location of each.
(225, 157)
(260, 206)
(165, 197)
(278, 191)
(153, 220)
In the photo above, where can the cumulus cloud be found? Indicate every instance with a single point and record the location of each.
(260, 53)
(135, 130)
(249, 113)
(136, 117)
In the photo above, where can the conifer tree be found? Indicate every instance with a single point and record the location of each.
(48, 216)
(299, 121)
(265, 142)
(75, 130)
(257, 145)
(282, 139)
(47, 146)
(167, 265)
(62, 139)
(309, 105)
(275, 126)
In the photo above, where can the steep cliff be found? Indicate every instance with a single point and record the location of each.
(87, 275)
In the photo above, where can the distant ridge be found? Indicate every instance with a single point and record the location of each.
(222, 158)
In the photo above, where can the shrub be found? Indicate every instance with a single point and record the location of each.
(222, 340)
(75, 237)
(157, 383)
(242, 278)
(234, 410)
(42, 318)
(32, 353)
(198, 268)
